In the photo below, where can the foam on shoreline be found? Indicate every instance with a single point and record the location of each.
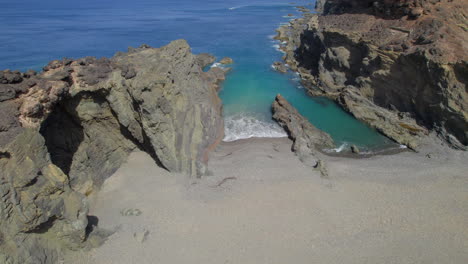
(243, 126)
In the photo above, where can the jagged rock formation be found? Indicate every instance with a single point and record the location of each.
(63, 131)
(404, 59)
(307, 139)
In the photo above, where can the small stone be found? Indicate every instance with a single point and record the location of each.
(320, 166)
(141, 236)
(416, 12)
(280, 67)
(355, 149)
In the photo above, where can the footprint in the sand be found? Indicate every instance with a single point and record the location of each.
(130, 212)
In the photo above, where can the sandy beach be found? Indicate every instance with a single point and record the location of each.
(262, 205)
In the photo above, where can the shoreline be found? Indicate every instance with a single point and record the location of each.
(261, 198)
(347, 153)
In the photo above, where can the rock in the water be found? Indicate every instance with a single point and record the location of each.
(226, 60)
(205, 59)
(355, 149)
(65, 130)
(280, 67)
(307, 138)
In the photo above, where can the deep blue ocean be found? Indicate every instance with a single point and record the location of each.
(35, 32)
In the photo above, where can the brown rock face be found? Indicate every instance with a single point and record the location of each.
(409, 57)
(65, 130)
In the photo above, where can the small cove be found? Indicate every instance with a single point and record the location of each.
(35, 33)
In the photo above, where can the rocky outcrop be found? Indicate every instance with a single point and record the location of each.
(408, 58)
(307, 139)
(398, 127)
(65, 130)
(39, 211)
(226, 60)
(280, 67)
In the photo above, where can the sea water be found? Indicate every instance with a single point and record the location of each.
(35, 32)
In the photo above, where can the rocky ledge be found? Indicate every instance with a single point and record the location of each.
(307, 139)
(66, 129)
(399, 66)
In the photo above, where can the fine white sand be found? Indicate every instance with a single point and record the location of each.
(263, 206)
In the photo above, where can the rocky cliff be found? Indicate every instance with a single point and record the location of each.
(400, 66)
(66, 129)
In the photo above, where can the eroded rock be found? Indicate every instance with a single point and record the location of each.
(306, 137)
(280, 67)
(226, 60)
(65, 130)
(37, 203)
(415, 68)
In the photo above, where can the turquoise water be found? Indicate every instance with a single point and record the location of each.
(34, 33)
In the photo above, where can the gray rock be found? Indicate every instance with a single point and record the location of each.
(6, 93)
(205, 59)
(322, 168)
(37, 203)
(141, 236)
(403, 130)
(355, 149)
(280, 67)
(226, 60)
(394, 63)
(307, 138)
(77, 123)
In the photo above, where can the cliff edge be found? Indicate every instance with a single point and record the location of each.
(65, 130)
(399, 66)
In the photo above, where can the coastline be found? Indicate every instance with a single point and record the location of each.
(122, 160)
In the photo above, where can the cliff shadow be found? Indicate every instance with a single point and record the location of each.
(63, 135)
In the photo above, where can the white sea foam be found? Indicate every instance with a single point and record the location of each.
(218, 65)
(243, 126)
(277, 47)
(237, 7)
(341, 148)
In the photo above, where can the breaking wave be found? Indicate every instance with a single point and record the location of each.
(342, 147)
(278, 48)
(243, 126)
